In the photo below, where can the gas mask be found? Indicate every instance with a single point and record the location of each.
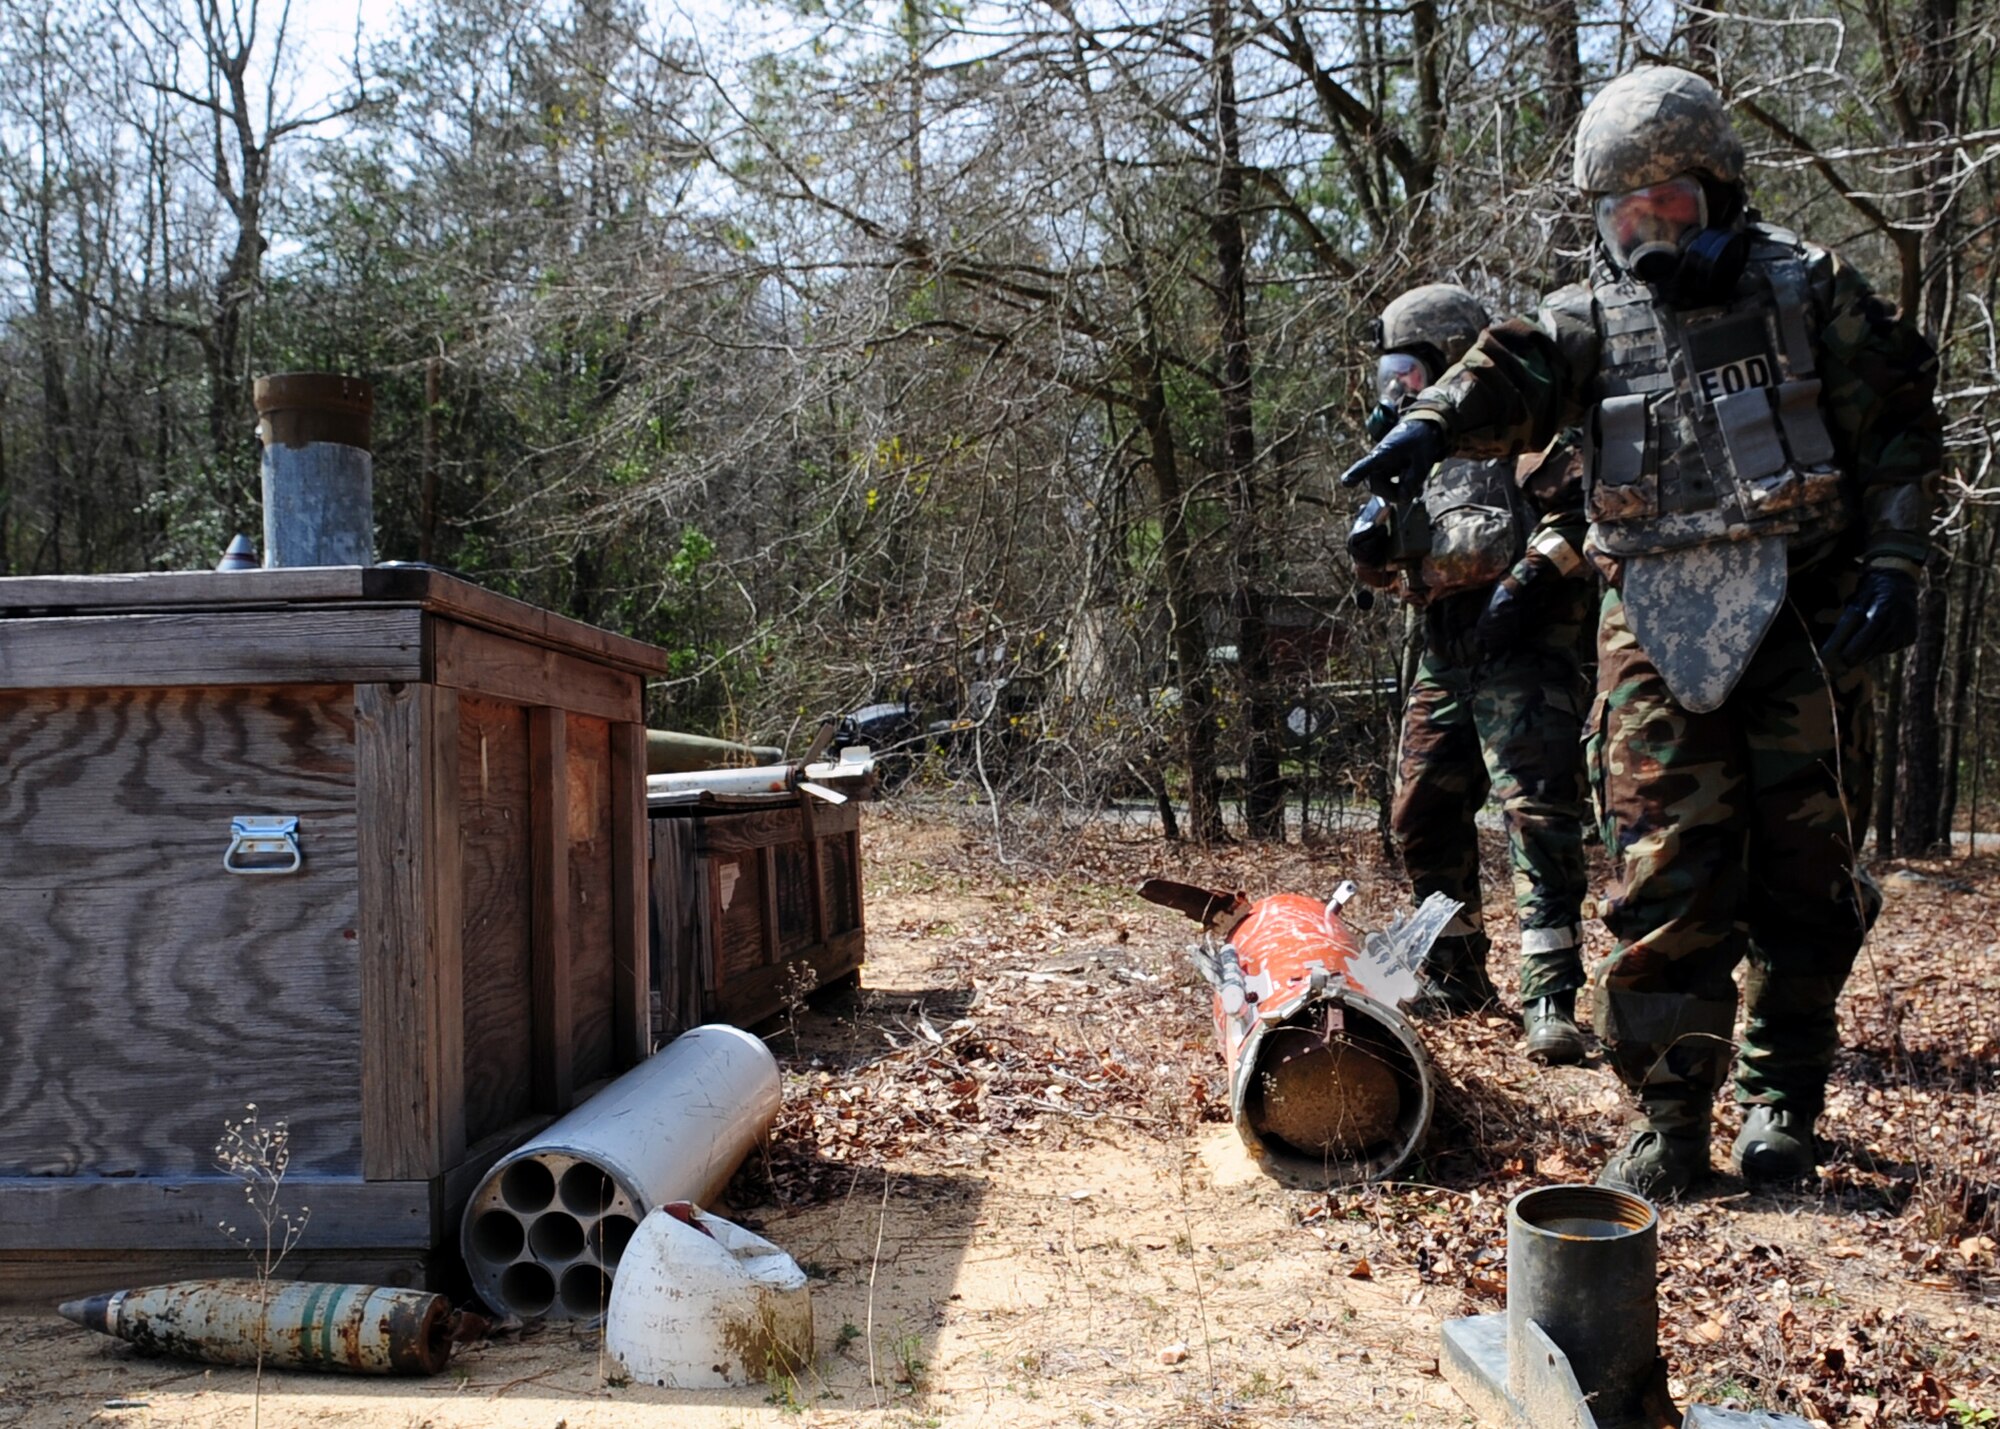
(1399, 377)
(1660, 235)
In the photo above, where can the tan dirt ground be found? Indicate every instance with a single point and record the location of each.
(1003, 1163)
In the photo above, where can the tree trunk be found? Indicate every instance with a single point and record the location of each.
(1187, 633)
(427, 534)
(1887, 761)
(1560, 30)
(1563, 58)
(6, 494)
(230, 433)
(55, 392)
(1186, 630)
(1976, 580)
(1426, 37)
(1263, 782)
(1927, 102)
(1919, 775)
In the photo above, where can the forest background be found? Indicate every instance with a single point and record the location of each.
(867, 351)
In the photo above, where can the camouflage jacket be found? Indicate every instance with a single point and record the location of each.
(1526, 379)
(1550, 484)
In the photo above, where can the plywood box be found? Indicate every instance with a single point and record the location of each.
(462, 947)
(756, 902)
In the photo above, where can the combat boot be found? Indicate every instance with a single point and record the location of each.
(1453, 980)
(1553, 1036)
(1776, 1146)
(1666, 1153)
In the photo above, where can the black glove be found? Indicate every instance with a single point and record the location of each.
(1510, 611)
(1880, 617)
(1370, 542)
(1408, 453)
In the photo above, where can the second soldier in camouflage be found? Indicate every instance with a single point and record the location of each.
(1497, 704)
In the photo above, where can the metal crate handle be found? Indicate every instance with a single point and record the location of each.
(263, 844)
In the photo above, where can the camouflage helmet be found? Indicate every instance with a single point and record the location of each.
(1650, 124)
(1441, 315)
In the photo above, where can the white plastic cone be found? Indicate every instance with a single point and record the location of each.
(701, 1303)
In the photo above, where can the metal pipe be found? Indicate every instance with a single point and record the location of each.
(319, 476)
(668, 751)
(544, 1231)
(854, 766)
(284, 1324)
(1583, 1267)
(757, 779)
(1578, 1344)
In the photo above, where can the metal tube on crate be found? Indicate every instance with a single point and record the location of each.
(287, 1324)
(854, 765)
(319, 476)
(757, 779)
(544, 1231)
(668, 751)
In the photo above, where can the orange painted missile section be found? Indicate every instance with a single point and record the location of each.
(1328, 1081)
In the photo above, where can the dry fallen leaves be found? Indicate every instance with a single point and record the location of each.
(1047, 1014)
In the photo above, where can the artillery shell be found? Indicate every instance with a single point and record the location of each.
(288, 1324)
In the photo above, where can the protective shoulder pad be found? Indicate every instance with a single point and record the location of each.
(1768, 242)
(1569, 317)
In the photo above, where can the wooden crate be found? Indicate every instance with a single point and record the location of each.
(463, 947)
(755, 900)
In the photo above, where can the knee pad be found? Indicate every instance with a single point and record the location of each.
(1659, 1040)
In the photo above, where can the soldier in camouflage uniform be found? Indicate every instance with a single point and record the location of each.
(1763, 449)
(1497, 703)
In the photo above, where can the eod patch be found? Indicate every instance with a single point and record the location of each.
(1731, 355)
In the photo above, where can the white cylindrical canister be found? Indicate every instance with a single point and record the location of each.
(546, 1229)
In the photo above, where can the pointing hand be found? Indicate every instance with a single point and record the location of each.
(1406, 455)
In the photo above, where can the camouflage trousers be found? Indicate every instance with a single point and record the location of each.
(1735, 834)
(1511, 727)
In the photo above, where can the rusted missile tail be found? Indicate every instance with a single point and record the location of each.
(353, 1329)
(1328, 1082)
(1215, 911)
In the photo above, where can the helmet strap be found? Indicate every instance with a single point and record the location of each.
(1728, 204)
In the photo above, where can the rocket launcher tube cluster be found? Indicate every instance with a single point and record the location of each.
(545, 1230)
(1328, 1082)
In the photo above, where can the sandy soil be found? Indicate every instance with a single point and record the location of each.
(1002, 1165)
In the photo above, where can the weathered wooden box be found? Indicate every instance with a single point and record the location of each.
(463, 945)
(756, 903)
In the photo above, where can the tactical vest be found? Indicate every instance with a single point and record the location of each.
(1707, 426)
(1479, 524)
